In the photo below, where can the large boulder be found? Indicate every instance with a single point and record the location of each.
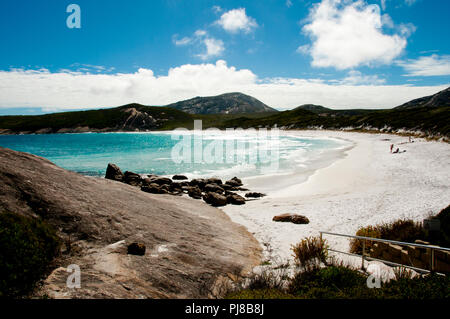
(154, 188)
(132, 178)
(175, 187)
(194, 192)
(235, 199)
(200, 182)
(179, 177)
(213, 188)
(113, 172)
(215, 199)
(214, 180)
(236, 182)
(160, 180)
(228, 187)
(292, 218)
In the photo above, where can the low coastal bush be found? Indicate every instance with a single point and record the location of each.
(27, 246)
(400, 230)
(342, 282)
(405, 230)
(267, 280)
(329, 282)
(369, 231)
(338, 281)
(432, 286)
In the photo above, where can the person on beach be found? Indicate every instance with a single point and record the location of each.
(392, 146)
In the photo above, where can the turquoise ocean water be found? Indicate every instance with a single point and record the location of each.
(89, 153)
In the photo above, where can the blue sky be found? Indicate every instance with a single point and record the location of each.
(338, 53)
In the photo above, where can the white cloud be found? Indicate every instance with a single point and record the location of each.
(406, 29)
(357, 78)
(433, 65)
(407, 2)
(211, 47)
(288, 3)
(200, 33)
(386, 20)
(237, 20)
(347, 34)
(214, 48)
(217, 9)
(303, 49)
(62, 90)
(87, 68)
(183, 41)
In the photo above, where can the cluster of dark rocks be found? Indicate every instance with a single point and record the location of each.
(212, 190)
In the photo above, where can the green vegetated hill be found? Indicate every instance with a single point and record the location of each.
(229, 103)
(129, 117)
(439, 99)
(431, 121)
(430, 115)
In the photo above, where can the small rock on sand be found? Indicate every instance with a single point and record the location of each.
(293, 218)
(136, 249)
(254, 195)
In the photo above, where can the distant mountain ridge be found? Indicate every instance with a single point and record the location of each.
(228, 103)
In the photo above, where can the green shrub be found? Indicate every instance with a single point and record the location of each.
(332, 281)
(27, 246)
(343, 282)
(369, 231)
(310, 252)
(431, 286)
(400, 230)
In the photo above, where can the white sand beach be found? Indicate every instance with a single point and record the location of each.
(369, 185)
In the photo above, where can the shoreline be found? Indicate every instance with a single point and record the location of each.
(367, 186)
(399, 132)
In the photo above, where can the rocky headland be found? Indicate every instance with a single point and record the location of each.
(128, 243)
